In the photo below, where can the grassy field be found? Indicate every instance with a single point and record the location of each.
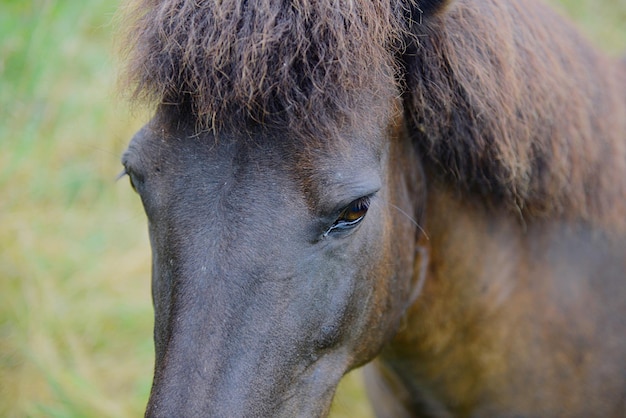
(75, 309)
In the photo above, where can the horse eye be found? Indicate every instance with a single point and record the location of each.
(351, 216)
(126, 172)
(132, 183)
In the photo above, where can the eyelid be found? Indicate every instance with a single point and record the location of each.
(342, 205)
(132, 168)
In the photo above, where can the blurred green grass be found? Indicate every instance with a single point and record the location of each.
(75, 309)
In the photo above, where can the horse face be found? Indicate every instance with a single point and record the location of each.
(277, 265)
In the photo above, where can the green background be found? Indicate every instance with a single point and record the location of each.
(75, 308)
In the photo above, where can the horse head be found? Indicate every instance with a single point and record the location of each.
(314, 168)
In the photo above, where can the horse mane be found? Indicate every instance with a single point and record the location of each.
(509, 102)
(301, 64)
(504, 98)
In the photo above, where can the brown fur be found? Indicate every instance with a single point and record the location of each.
(504, 98)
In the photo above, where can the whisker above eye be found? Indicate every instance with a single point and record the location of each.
(410, 218)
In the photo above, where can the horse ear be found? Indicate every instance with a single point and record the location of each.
(427, 8)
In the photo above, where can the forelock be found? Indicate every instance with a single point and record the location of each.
(299, 64)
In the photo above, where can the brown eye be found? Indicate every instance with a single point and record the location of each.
(355, 211)
(351, 216)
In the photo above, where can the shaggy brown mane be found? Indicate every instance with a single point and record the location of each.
(508, 101)
(302, 64)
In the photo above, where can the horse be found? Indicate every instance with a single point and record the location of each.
(434, 190)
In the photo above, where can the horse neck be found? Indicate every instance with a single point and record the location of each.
(493, 284)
